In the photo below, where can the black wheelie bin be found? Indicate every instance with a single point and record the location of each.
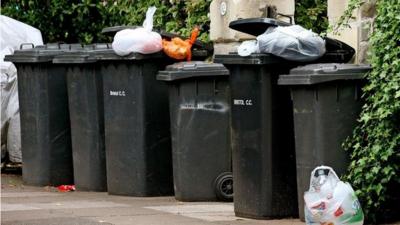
(45, 123)
(85, 94)
(200, 127)
(263, 154)
(326, 105)
(262, 137)
(136, 121)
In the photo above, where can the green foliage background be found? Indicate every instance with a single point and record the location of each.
(375, 145)
(312, 14)
(82, 20)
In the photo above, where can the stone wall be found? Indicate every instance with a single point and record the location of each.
(360, 27)
(222, 12)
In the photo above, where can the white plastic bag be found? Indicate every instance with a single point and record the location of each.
(139, 40)
(292, 43)
(14, 139)
(248, 47)
(331, 201)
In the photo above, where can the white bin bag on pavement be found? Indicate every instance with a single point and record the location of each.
(331, 201)
(12, 34)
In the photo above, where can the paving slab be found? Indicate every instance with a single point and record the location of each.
(26, 205)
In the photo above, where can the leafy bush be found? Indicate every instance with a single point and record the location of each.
(82, 20)
(375, 144)
(312, 14)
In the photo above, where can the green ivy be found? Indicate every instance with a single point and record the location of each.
(312, 14)
(375, 144)
(82, 20)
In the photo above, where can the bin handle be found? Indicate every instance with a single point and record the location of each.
(189, 66)
(327, 68)
(23, 44)
(93, 46)
(70, 46)
(287, 16)
(58, 45)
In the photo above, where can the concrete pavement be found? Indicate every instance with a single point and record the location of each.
(23, 205)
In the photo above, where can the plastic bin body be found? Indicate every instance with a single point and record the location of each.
(262, 137)
(45, 123)
(136, 120)
(85, 94)
(200, 127)
(326, 103)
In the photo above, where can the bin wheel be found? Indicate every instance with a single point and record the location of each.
(224, 186)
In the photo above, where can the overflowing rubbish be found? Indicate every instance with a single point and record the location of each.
(330, 200)
(66, 188)
(178, 48)
(12, 35)
(290, 42)
(140, 40)
(248, 47)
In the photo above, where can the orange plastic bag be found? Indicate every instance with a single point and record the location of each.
(180, 49)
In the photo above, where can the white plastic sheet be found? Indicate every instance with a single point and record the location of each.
(248, 47)
(12, 34)
(292, 43)
(140, 40)
(10, 108)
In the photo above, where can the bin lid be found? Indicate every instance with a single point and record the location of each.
(253, 59)
(40, 53)
(109, 55)
(324, 72)
(337, 56)
(184, 70)
(255, 26)
(84, 55)
(166, 35)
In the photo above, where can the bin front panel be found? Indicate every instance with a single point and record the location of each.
(137, 133)
(45, 130)
(157, 146)
(263, 143)
(324, 115)
(200, 114)
(85, 93)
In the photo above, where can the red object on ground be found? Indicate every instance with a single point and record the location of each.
(66, 188)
